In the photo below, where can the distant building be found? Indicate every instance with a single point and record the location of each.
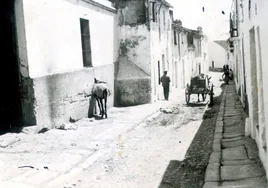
(145, 50)
(218, 54)
(189, 54)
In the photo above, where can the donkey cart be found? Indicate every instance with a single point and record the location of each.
(199, 85)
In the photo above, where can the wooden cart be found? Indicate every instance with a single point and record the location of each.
(199, 85)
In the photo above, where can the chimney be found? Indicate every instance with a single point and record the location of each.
(178, 22)
(200, 30)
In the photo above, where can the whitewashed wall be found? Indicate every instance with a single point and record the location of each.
(50, 53)
(258, 19)
(160, 45)
(54, 38)
(216, 54)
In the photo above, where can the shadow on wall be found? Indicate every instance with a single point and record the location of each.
(28, 101)
(130, 92)
(92, 107)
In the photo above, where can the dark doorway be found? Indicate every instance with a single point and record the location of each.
(159, 73)
(212, 64)
(10, 105)
(254, 76)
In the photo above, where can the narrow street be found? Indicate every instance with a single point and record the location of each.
(139, 157)
(108, 153)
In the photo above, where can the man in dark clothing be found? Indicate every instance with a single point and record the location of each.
(165, 83)
(231, 74)
(226, 75)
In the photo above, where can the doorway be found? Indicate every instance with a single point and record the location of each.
(163, 63)
(183, 74)
(176, 74)
(159, 73)
(262, 113)
(254, 84)
(10, 103)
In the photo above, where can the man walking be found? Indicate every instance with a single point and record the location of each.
(165, 83)
(226, 76)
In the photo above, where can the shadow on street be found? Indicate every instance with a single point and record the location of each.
(190, 172)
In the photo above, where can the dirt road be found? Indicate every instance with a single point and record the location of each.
(119, 154)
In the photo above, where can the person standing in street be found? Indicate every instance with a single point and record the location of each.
(226, 76)
(231, 74)
(165, 83)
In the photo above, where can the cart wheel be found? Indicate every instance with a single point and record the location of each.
(187, 98)
(204, 96)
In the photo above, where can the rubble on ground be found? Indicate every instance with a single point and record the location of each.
(67, 126)
(174, 110)
(8, 139)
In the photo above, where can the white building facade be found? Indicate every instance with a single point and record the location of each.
(61, 46)
(189, 53)
(218, 54)
(250, 46)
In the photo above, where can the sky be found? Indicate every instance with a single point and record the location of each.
(215, 25)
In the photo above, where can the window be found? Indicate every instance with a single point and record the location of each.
(159, 18)
(256, 9)
(179, 45)
(175, 38)
(190, 39)
(159, 73)
(153, 11)
(249, 8)
(86, 45)
(164, 19)
(198, 52)
(212, 64)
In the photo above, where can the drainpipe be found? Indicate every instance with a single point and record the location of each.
(160, 7)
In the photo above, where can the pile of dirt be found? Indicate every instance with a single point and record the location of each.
(190, 172)
(178, 115)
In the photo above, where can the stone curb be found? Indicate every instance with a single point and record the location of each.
(212, 174)
(211, 185)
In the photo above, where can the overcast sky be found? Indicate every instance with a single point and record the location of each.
(214, 23)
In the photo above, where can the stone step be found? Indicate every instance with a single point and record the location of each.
(233, 139)
(212, 173)
(232, 121)
(232, 144)
(233, 112)
(235, 153)
(233, 129)
(238, 172)
(211, 185)
(215, 157)
(237, 162)
(233, 135)
(248, 182)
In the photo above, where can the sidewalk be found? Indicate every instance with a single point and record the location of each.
(234, 161)
(67, 153)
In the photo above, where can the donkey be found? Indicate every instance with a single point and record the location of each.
(101, 91)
